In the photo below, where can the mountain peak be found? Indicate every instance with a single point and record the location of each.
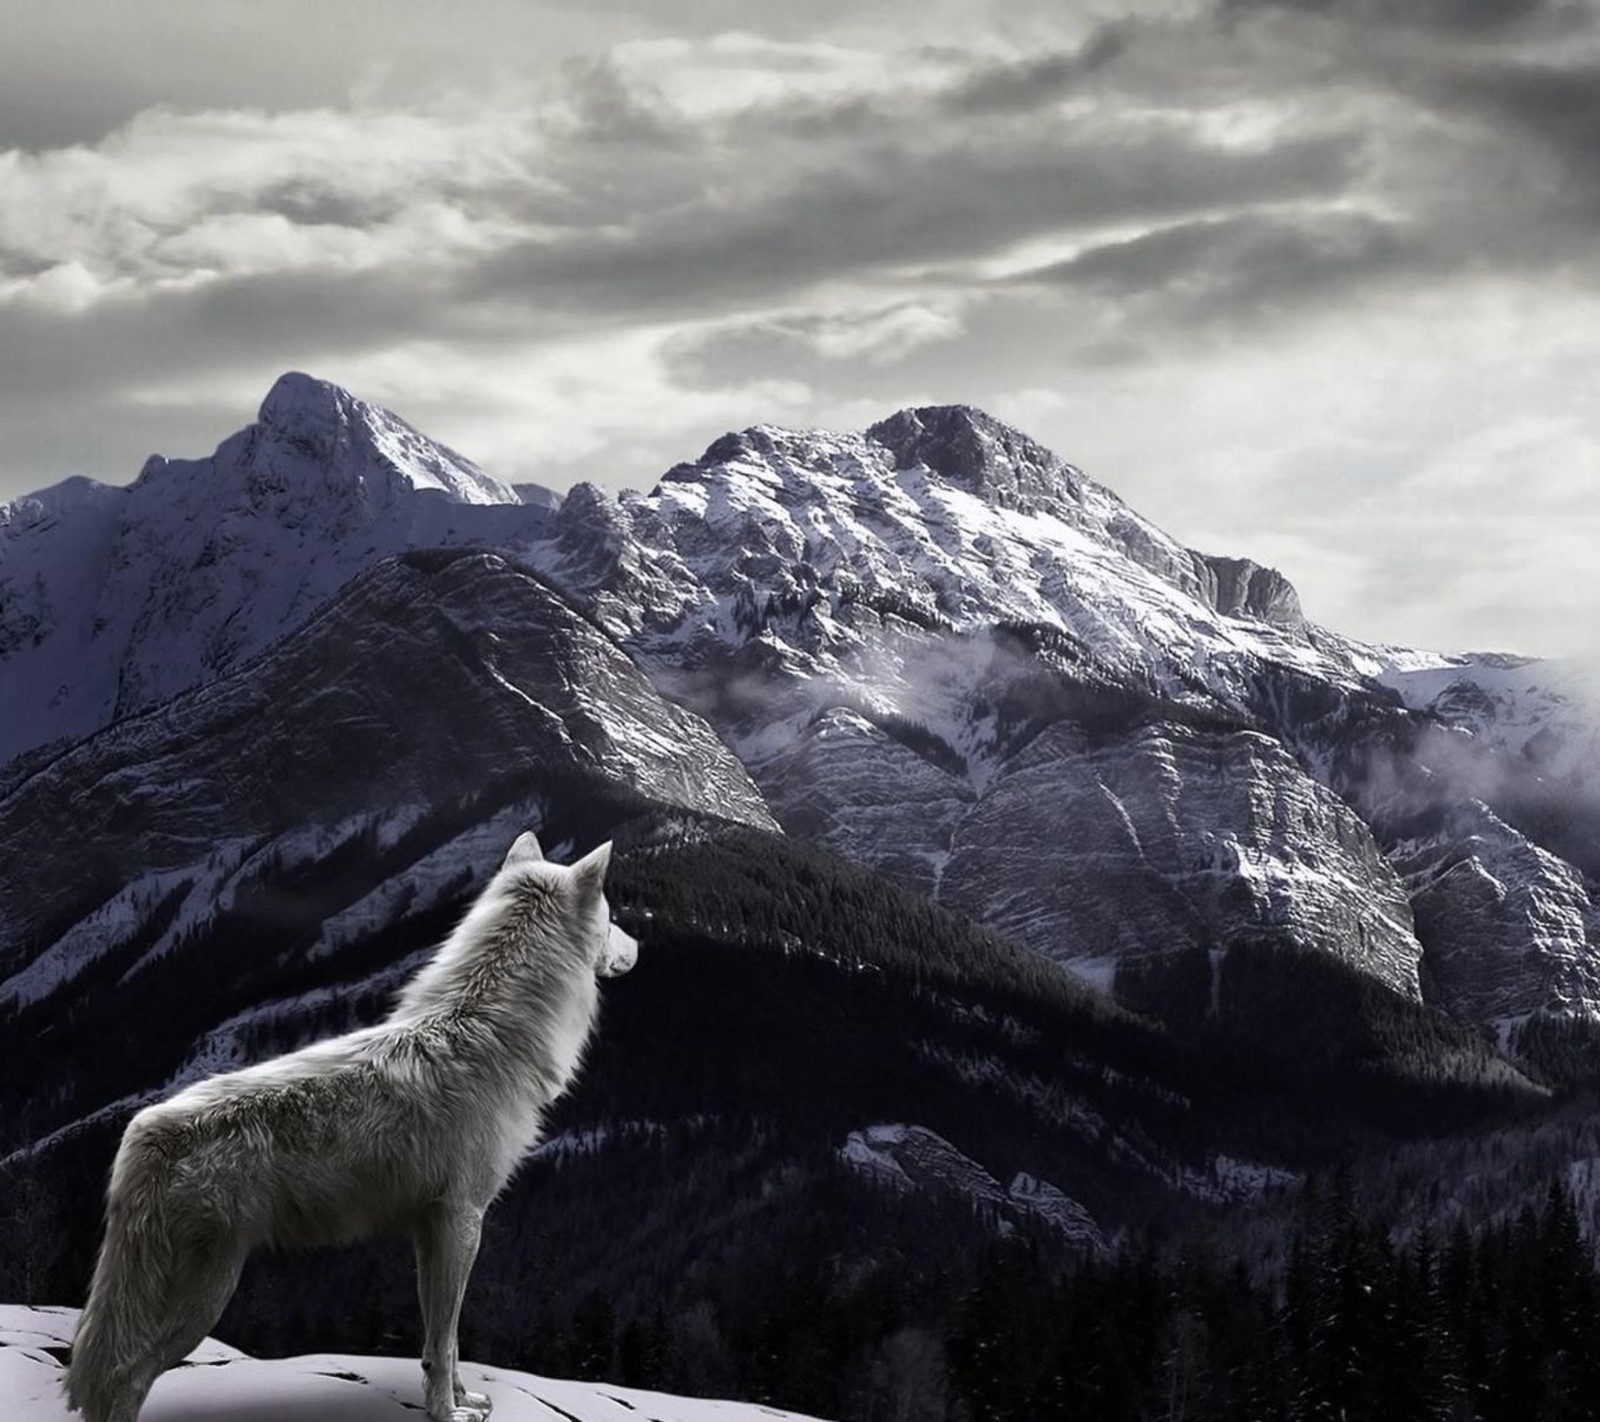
(315, 414)
(969, 448)
(325, 423)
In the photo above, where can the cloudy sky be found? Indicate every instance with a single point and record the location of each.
(1315, 281)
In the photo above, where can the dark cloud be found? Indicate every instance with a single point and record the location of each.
(1248, 270)
(1456, 17)
(894, 208)
(610, 111)
(1305, 233)
(74, 70)
(1032, 82)
(1556, 106)
(1510, 152)
(317, 202)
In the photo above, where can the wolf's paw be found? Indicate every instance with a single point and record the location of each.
(475, 1402)
(462, 1412)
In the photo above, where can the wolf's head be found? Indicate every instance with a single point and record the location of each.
(611, 951)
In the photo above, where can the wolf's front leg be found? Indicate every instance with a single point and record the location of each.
(447, 1243)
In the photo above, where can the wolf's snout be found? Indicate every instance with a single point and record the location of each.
(621, 953)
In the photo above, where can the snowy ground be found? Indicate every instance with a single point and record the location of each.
(219, 1382)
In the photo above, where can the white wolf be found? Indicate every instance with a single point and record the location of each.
(411, 1126)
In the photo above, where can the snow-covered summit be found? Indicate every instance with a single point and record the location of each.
(977, 452)
(113, 599)
(945, 652)
(306, 420)
(810, 543)
(1542, 711)
(935, 645)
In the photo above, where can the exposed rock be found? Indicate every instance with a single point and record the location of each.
(1172, 838)
(1506, 927)
(913, 1158)
(1239, 588)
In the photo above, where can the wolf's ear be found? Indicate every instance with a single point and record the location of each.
(524, 849)
(589, 873)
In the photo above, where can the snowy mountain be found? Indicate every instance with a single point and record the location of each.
(943, 652)
(113, 599)
(915, 1159)
(221, 1382)
(436, 703)
(888, 727)
(1540, 711)
(938, 649)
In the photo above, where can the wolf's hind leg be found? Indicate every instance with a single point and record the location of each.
(447, 1245)
(203, 1280)
(129, 1391)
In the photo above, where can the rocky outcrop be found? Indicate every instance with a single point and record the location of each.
(1176, 838)
(1237, 587)
(1506, 927)
(913, 1158)
(851, 786)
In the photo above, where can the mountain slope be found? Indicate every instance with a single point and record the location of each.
(977, 692)
(716, 1183)
(938, 650)
(439, 693)
(942, 651)
(114, 599)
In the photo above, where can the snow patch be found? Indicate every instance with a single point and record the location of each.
(235, 1385)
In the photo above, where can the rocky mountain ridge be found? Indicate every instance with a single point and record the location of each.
(170, 815)
(936, 648)
(944, 652)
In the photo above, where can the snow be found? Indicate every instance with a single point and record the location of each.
(832, 525)
(1583, 1180)
(114, 599)
(867, 1151)
(114, 922)
(1546, 710)
(144, 591)
(909, 1158)
(221, 1384)
(1506, 1028)
(428, 880)
(1100, 972)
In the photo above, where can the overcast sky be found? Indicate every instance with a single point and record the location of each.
(1312, 281)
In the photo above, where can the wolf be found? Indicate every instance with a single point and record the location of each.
(411, 1126)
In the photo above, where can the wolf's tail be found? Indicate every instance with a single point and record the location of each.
(113, 1353)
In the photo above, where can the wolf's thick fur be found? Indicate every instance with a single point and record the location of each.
(412, 1126)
